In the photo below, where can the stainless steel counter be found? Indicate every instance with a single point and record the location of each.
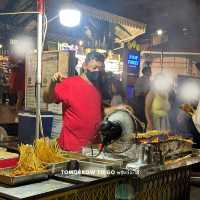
(34, 189)
(167, 176)
(145, 171)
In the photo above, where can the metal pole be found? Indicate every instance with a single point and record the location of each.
(39, 65)
(162, 54)
(161, 60)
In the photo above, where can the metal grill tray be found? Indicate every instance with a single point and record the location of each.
(54, 168)
(18, 180)
(98, 168)
(112, 162)
(75, 178)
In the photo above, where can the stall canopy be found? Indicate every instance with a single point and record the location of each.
(125, 29)
(97, 26)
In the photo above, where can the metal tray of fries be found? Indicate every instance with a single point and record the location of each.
(7, 179)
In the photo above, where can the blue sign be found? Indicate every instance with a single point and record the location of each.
(133, 61)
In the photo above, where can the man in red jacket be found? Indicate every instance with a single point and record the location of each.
(81, 99)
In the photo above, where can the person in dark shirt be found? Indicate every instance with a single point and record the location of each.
(142, 87)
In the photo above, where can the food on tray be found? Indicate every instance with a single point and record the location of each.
(178, 160)
(152, 135)
(48, 151)
(149, 134)
(34, 158)
(28, 162)
(188, 109)
(157, 136)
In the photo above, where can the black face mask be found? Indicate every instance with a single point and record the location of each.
(95, 78)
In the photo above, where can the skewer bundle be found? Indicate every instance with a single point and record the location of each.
(48, 151)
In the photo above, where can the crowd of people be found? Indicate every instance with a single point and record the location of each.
(154, 102)
(85, 96)
(157, 103)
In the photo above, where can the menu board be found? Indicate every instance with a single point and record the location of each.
(31, 64)
(30, 100)
(49, 67)
(52, 62)
(56, 126)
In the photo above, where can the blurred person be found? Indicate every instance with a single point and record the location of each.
(187, 98)
(73, 61)
(157, 105)
(174, 108)
(116, 92)
(187, 124)
(20, 81)
(2, 84)
(106, 96)
(142, 87)
(17, 82)
(75, 65)
(12, 85)
(81, 97)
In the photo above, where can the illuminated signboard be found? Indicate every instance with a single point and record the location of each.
(133, 61)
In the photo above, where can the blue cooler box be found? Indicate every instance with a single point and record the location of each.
(27, 123)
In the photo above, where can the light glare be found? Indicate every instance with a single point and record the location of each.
(160, 32)
(163, 83)
(23, 46)
(70, 17)
(80, 42)
(189, 92)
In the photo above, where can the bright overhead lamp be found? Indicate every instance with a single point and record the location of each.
(70, 17)
(159, 32)
(81, 43)
(1, 46)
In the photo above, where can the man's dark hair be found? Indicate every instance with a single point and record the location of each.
(94, 56)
